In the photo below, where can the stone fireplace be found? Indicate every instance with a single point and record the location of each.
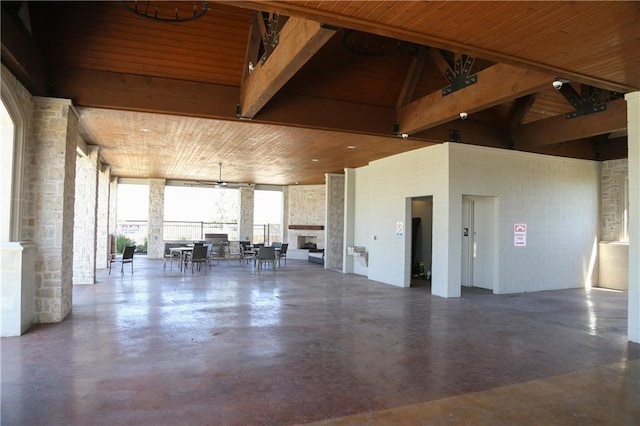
(304, 240)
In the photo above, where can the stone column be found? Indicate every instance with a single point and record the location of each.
(285, 215)
(85, 211)
(155, 239)
(633, 141)
(334, 226)
(245, 216)
(102, 224)
(113, 210)
(52, 186)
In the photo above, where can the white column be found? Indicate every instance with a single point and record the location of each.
(349, 218)
(633, 141)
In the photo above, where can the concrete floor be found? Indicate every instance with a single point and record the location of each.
(238, 347)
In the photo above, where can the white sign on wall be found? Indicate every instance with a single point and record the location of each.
(520, 235)
(399, 230)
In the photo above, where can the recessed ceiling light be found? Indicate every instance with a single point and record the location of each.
(297, 183)
(314, 160)
(144, 130)
(351, 147)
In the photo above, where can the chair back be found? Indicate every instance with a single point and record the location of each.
(128, 252)
(267, 253)
(198, 244)
(276, 245)
(199, 252)
(283, 248)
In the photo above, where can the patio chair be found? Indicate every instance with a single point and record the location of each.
(266, 255)
(126, 257)
(198, 257)
(282, 254)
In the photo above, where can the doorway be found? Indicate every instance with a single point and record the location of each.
(479, 241)
(421, 240)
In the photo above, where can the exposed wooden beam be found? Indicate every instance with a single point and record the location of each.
(497, 84)
(148, 94)
(560, 129)
(253, 44)
(519, 110)
(166, 96)
(301, 10)
(299, 40)
(412, 77)
(22, 57)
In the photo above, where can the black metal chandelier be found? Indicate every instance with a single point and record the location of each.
(167, 11)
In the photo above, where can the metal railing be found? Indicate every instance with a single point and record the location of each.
(137, 231)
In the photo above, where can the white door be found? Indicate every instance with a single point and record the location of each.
(478, 247)
(467, 241)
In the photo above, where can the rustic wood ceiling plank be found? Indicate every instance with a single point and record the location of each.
(495, 85)
(559, 129)
(299, 40)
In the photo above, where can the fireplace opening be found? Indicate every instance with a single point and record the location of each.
(307, 242)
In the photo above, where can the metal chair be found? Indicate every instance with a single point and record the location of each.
(282, 254)
(127, 257)
(266, 255)
(198, 256)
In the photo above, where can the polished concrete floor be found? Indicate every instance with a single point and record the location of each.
(305, 345)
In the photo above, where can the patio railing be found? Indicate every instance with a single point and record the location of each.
(137, 230)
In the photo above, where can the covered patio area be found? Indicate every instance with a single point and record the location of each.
(305, 344)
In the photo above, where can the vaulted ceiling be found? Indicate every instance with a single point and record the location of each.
(333, 83)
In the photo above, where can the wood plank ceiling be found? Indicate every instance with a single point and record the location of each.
(172, 100)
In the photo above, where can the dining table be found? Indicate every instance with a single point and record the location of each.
(182, 252)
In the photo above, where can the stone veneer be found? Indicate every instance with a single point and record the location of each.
(86, 203)
(334, 227)
(245, 226)
(614, 175)
(306, 206)
(52, 158)
(102, 220)
(155, 240)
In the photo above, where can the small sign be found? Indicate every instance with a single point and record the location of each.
(130, 229)
(520, 235)
(399, 230)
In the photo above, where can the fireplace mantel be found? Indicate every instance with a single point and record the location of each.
(307, 227)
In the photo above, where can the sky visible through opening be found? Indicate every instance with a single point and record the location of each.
(197, 204)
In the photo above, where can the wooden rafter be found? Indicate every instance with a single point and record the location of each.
(520, 108)
(560, 129)
(412, 77)
(298, 41)
(497, 84)
(253, 44)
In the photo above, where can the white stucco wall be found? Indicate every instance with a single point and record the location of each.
(556, 197)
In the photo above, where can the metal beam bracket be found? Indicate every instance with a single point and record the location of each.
(271, 39)
(587, 102)
(458, 72)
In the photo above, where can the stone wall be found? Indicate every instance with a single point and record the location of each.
(613, 201)
(52, 158)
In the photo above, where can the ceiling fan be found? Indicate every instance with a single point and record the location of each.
(224, 184)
